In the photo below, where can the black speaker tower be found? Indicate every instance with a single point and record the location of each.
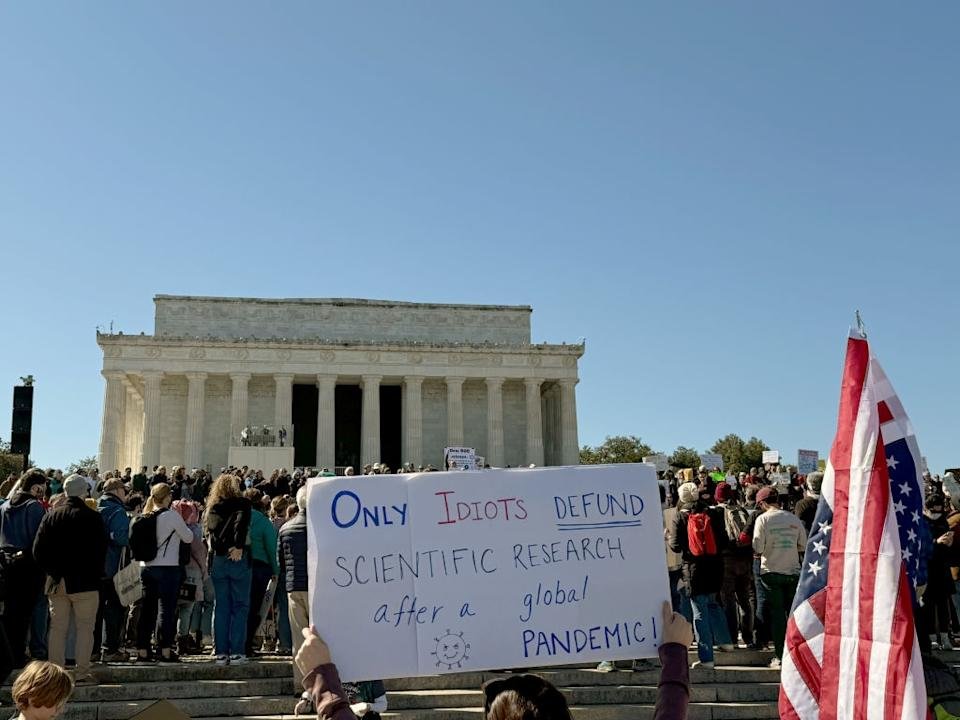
(22, 422)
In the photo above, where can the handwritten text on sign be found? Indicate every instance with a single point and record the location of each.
(442, 572)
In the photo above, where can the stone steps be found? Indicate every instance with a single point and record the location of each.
(741, 686)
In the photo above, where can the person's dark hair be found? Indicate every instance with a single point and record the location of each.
(524, 697)
(30, 478)
(134, 502)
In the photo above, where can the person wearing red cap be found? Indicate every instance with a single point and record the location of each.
(779, 538)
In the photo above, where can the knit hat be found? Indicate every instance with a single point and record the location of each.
(76, 486)
(766, 493)
(724, 492)
(814, 481)
(688, 493)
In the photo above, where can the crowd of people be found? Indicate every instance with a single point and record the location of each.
(219, 568)
(735, 545)
(205, 566)
(146, 567)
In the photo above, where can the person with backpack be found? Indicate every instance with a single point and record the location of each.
(227, 525)
(160, 540)
(779, 539)
(22, 579)
(698, 534)
(71, 548)
(738, 593)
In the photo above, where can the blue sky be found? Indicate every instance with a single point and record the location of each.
(705, 191)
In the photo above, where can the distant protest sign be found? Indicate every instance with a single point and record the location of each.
(430, 573)
(711, 460)
(459, 458)
(807, 461)
(781, 479)
(660, 461)
(771, 457)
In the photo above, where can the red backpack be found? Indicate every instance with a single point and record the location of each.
(700, 536)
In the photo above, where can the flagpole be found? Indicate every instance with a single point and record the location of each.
(861, 329)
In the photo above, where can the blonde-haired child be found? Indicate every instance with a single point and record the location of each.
(41, 691)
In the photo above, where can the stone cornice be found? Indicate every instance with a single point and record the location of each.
(343, 302)
(105, 340)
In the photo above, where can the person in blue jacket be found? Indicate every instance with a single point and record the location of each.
(110, 613)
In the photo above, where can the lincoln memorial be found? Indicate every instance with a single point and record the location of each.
(349, 382)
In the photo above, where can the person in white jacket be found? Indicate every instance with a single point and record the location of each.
(161, 577)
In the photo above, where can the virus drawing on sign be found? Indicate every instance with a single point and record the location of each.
(451, 650)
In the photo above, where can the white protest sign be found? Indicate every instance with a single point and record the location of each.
(780, 479)
(660, 461)
(807, 461)
(711, 460)
(428, 573)
(459, 458)
(771, 457)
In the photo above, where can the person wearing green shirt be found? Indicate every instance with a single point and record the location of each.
(263, 555)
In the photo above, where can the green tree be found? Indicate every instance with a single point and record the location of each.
(615, 449)
(739, 455)
(684, 457)
(731, 448)
(753, 453)
(10, 465)
(84, 463)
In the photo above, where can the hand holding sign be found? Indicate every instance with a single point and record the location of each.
(676, 629)
(313, 653)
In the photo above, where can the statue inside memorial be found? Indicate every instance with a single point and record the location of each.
(282, 435)
(245, 437)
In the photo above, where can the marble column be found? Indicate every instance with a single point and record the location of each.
(370, 420)
(534, 423)
(193, 441)
(151, 418)
(136, 459)
(454, 411)
(123, 438)
(413, 428)
(283, 407)
(131, 421)
(568, 422)
(495, 422)
(326, 421)
(114, 395)
(239, 402)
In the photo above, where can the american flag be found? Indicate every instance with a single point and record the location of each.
(851, 649)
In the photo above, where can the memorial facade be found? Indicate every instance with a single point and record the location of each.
(349, 381)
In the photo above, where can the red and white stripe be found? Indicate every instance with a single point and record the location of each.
(851, 650)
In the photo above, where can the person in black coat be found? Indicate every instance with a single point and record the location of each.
(226, 524)
(71, 548)
(19, 521)
(702, 568)
(940, 586)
